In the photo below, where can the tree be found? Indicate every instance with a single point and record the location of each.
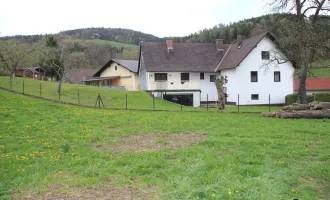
(302, 39)
(14, 54)
(55, 58)
(221, 93)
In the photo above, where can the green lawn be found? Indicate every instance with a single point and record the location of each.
(111, 98)
(113, 43)
(318, 72)
(50, 150)
(98, 41)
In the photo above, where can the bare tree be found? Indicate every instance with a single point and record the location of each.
(14, 54)
(55, 58)
(302, 39)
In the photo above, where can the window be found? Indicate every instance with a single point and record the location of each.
(265, 55)
(212, 78)
(184, 76)
(160, 76)
(201, 76)
(116, 67)
(254, 96)
(277, 76)
(254, 76)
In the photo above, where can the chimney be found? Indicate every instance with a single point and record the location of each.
(239, 41)
(169, 44)
(219, 44)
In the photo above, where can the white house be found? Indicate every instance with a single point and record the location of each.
(185, 72)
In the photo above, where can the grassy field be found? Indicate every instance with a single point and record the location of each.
(111, 98)
(113, 43)
(50, 150)
(320, 72)
(98, 41)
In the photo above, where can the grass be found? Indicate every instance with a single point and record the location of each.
(98, 41)
(113, 43)
(244, 156)
(111, 98)
(319, 70)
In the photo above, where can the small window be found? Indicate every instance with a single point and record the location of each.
(184, 76)
(116, 67)
(254, 76)
(265, 55)
(212, 78)
(160, 76)
(201, 76)
(254, 96)
(277, 76)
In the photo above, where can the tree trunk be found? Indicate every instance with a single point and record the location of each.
(59, 88)
(221, 94)
(296, 107)
(12, 77)
(307, 114)
(302, 97)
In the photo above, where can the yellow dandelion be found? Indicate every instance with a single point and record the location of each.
(0, 137)
(213, 195)
(229, 192)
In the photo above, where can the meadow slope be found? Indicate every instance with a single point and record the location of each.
(50, 150)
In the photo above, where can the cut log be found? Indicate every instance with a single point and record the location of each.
(308, 114)
(268, 114)
(321, 105)
(296, 107)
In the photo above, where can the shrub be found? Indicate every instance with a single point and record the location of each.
(293, 98)
(322, 96)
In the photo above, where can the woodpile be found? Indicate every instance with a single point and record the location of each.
(313, 110)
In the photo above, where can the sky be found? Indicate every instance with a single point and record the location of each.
(158, 17)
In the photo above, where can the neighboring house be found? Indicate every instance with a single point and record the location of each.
(119, 74)
(78, 76)
(314, 85)
(186, 72)
(34, 73)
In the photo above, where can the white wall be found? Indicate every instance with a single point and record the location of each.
(174, 83)
(239, 79)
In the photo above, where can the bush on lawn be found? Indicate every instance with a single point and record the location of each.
(293, 98)
(324, 97)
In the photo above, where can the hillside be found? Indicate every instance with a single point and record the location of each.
(112, 34)
(118, 45)
(56, 151)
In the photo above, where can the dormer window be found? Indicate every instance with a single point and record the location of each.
(265, 55)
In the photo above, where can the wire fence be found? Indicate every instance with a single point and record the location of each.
(125, 100)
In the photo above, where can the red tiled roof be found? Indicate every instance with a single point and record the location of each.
(314, 84)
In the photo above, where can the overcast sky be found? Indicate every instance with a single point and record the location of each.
(160, 18)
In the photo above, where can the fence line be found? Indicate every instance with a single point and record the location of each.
(125, 106)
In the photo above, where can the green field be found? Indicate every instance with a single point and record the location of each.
(111, 98)
(113, 43)
(98, 41)
(320, 72)
(56, 151)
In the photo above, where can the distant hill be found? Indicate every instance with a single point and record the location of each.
(112, 34)
(115, 35)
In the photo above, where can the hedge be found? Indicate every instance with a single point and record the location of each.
(293, 98)
(325, 97)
